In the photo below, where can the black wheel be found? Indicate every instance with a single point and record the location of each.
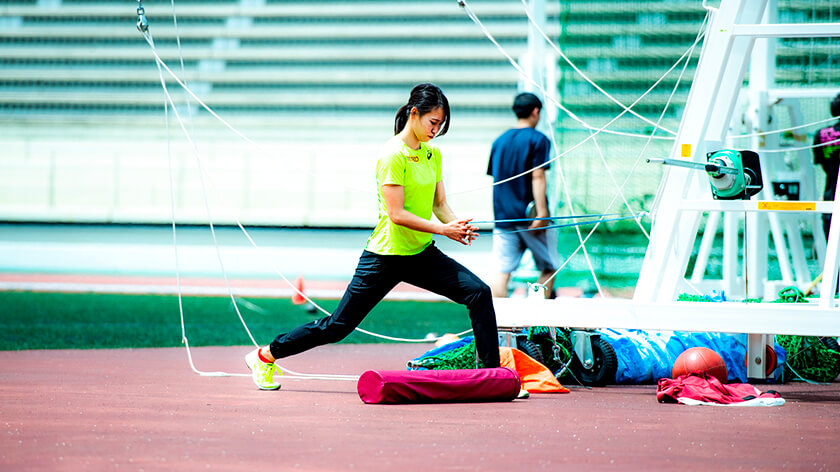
(530, 347)
(603, 367)
(833, 367)
(831, 343)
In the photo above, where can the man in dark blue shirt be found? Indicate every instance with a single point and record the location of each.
(514, 153)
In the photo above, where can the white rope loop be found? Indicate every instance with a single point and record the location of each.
(203, 177)
(169, 101)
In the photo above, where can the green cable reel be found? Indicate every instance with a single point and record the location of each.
(734, 175)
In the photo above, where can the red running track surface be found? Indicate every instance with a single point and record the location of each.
(146, 410)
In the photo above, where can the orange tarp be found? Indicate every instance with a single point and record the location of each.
(535, 377)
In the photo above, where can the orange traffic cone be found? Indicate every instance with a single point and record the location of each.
(297, 296)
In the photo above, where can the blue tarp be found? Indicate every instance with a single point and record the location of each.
(646, 357)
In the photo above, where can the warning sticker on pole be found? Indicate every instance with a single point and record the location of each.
(787, 206)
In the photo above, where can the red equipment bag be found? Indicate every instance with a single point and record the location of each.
(437, 386)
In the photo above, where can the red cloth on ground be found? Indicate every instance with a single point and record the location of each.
(703, 387)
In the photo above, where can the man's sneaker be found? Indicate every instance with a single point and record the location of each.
(523, 394)
(262, 372)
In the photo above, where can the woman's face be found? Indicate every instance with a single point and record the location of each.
(426, 127)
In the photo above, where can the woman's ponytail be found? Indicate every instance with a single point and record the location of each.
(401, 118)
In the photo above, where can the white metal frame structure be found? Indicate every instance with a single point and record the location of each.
(684, 196)
(762, 111)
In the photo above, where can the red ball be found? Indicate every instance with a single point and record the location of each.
(702, 359)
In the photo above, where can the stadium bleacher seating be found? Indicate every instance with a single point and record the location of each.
(315, 83)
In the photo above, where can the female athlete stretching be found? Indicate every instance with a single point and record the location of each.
(400, 249)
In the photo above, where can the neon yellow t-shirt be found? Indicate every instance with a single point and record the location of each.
(418, 172)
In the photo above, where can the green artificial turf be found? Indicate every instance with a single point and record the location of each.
(34, 320)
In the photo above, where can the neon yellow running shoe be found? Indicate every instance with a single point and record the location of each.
(262, 373)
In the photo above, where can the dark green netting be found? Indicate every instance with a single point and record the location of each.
(462, 357)
(810, 358)
(541, 336)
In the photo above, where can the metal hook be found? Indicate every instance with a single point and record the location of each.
(536, 290)
(142, 22)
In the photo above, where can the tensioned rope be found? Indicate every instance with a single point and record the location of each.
(586, 78)
(577, 223)
(595, 132)
(546, 218)
(784, 130)
(161, 64)
(620, 189)
(185, 340)
(463, 4)
(687, 57)
(802, 148)
(169, 101)
(546, 95)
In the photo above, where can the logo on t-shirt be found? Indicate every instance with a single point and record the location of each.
(413, 158)
(830, 135)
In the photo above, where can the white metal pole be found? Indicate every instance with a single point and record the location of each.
(706, 116)
(702, 260)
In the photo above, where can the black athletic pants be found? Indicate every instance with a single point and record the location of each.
(375, 276)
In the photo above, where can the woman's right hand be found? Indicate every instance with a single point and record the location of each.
(461, 231)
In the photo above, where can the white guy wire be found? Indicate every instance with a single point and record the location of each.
(802, 148)
(577, 230)
(253, 243)
(687, 57)
(584, 76)
(565, 184)
(206, 202)
(167, 99)
(513, 62)
(224, 272)
(597, 131)
(783, 130)
(258, 146)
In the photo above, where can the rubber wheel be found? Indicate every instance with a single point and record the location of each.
(603, 367)
(831, 343)
(530, 347)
